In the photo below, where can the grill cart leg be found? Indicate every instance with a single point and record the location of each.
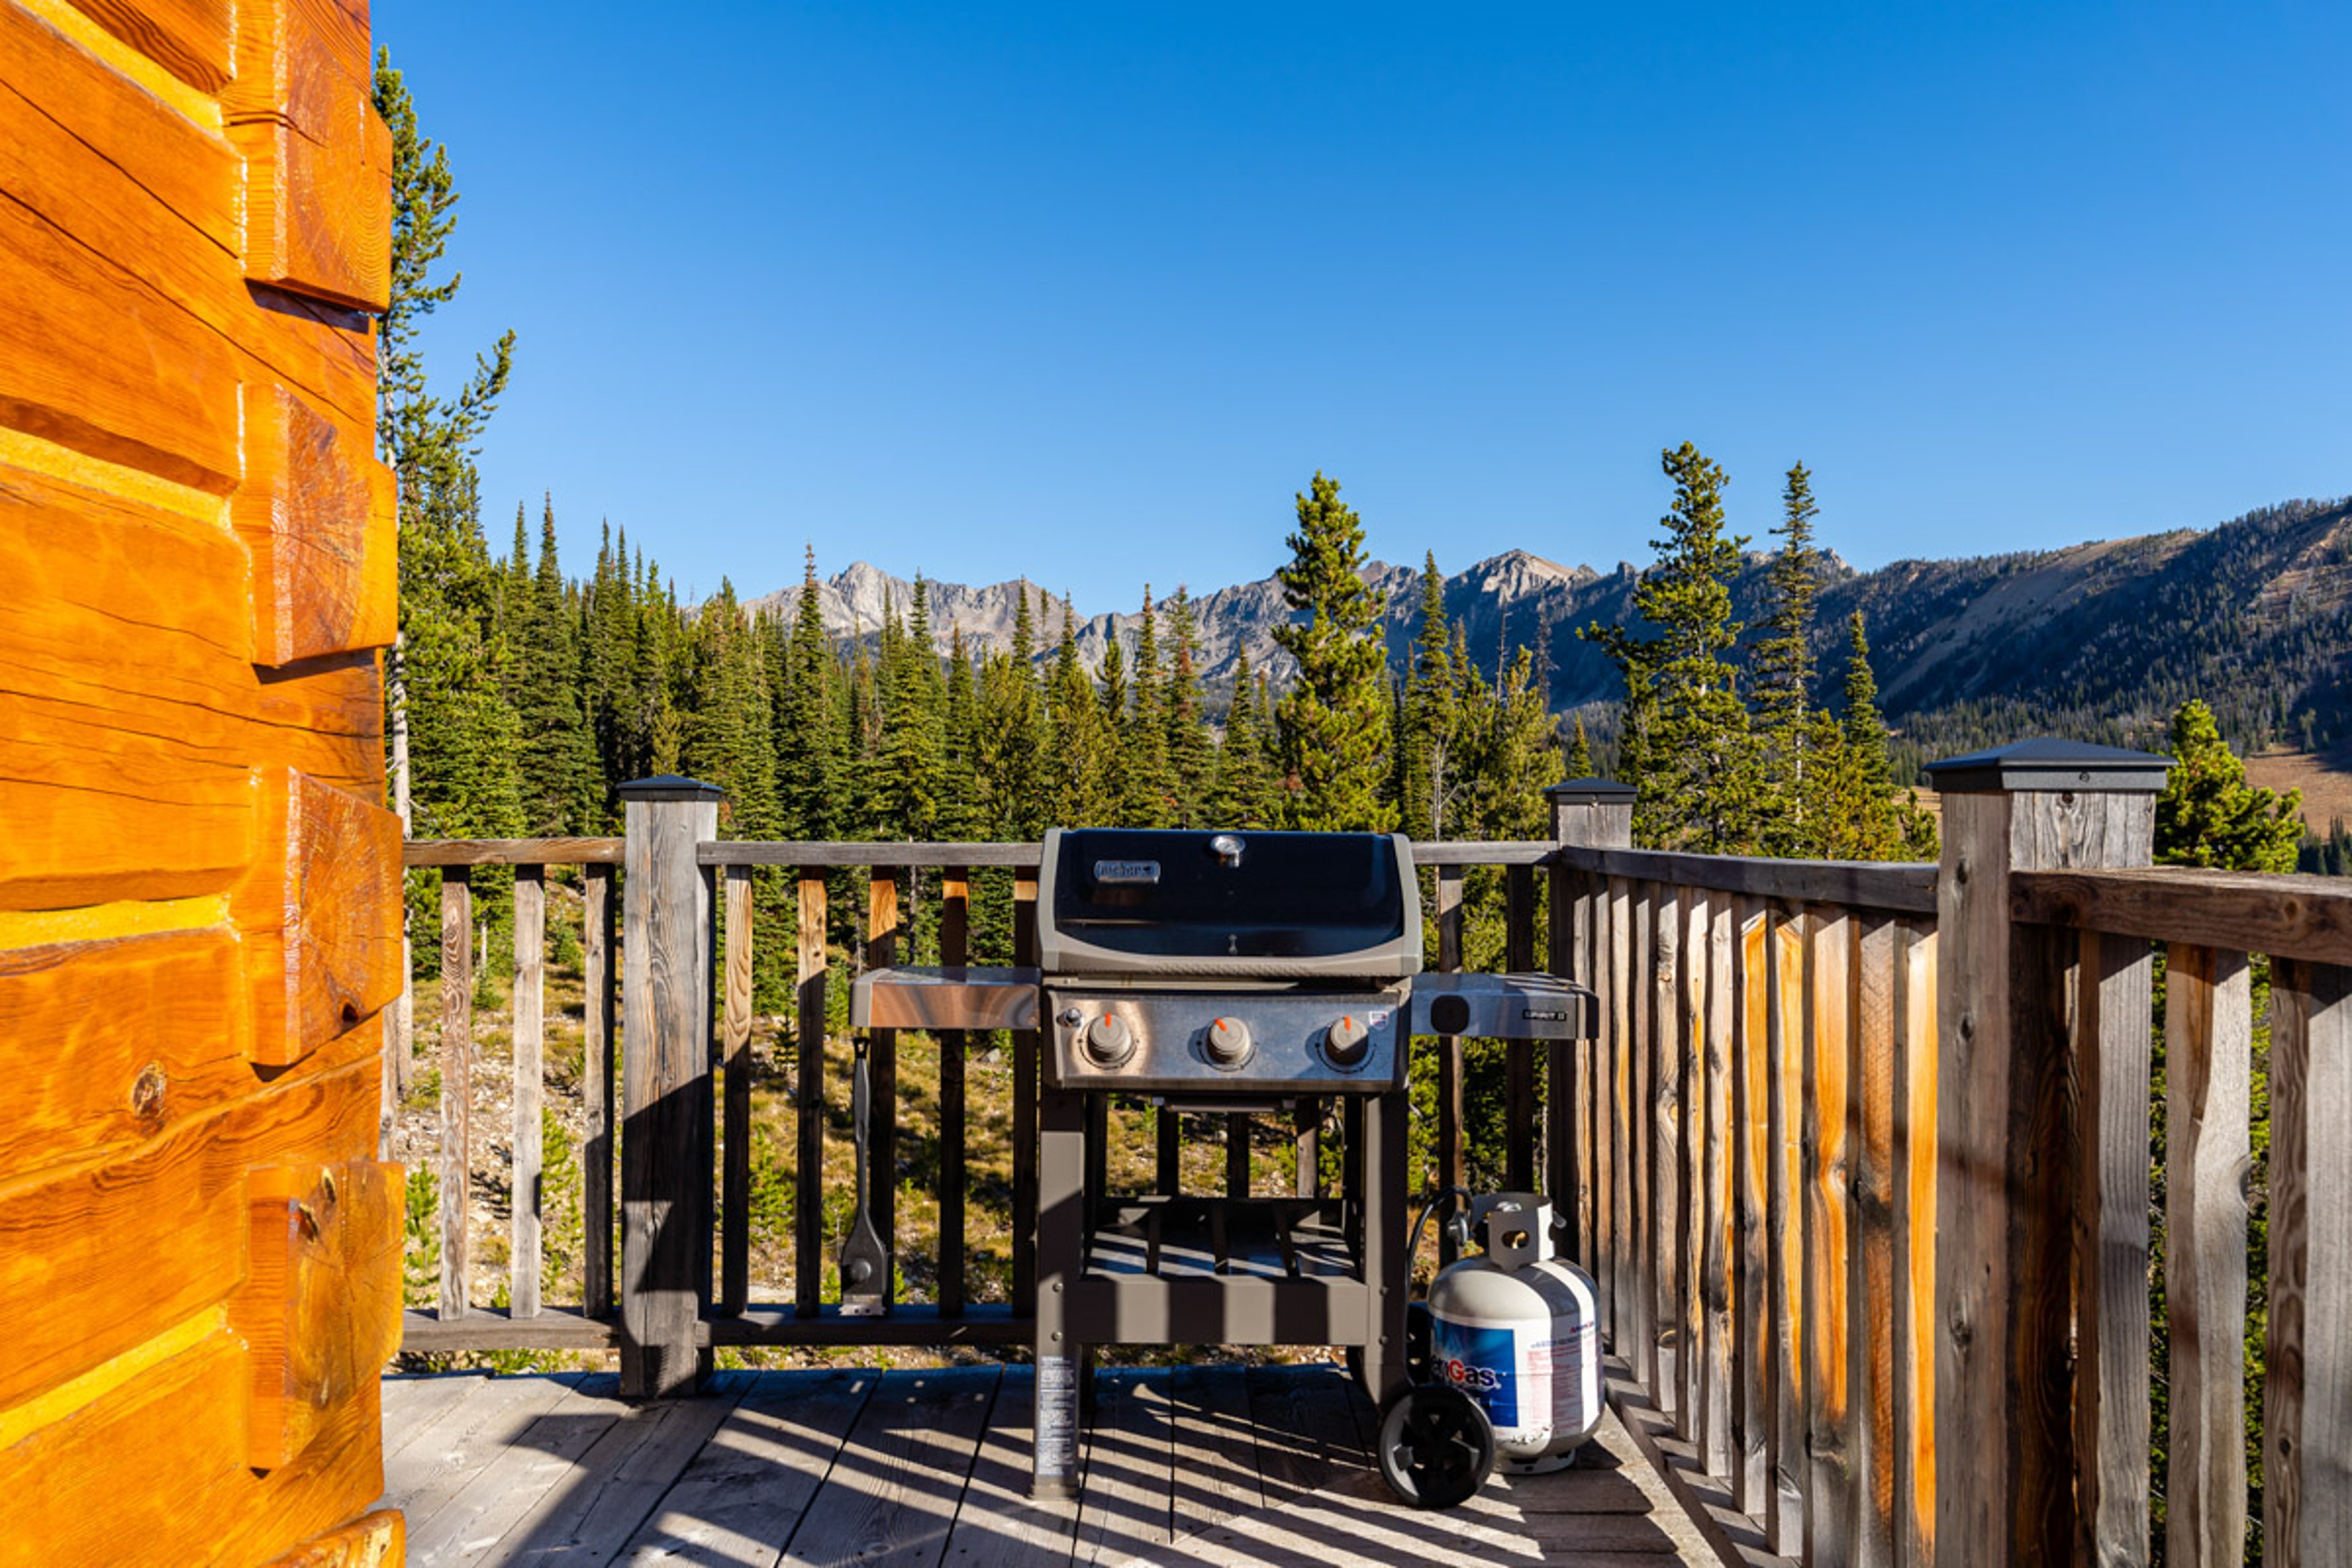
(1061, 1243)
(1385, 1264)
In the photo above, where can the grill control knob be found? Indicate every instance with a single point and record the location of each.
(1345, 1041)
(1108, 1041)
(1228, 1043)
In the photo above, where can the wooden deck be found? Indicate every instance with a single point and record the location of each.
(1259, 1466)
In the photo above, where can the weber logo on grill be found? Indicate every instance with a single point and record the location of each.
(1126, 873)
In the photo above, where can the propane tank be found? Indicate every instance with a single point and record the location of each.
(1515, 1329)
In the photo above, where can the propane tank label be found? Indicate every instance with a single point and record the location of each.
(1485, 1363)
(1531, 1383)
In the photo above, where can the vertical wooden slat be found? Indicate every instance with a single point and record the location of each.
(1831, 1506)
(1519, 1095)
(600, 911)
(1784, 1210)
(1237, 1154)
(1169, 1130)
(808, 1174)
(882, 1076)
(1025, 1109)
(1869, 1290)
(2307, 1406)
(1561, 1144)
(1915, 1242)
(2208, 1034)
(1620, 1114)
(1669, 1026)
(1715, 1438)
(529, 1079)
(955, 948)
(1641, 999)
(1306, 1131)
(1450, 1115)
(1751, 1341)
(735, 1048)
(1690, 1216)
(457, 1175)
(1586, 1099)
(2112, 1071)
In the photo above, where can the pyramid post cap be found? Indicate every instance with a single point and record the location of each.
(2047, 763)
(668, 787)
(1584, 792)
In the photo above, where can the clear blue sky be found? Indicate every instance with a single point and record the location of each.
(1088, 291)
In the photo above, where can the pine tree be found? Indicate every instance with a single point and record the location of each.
(808, 740)
(1245, 793)
(1146, 788)
(2210, 816)
(1579, 754)
(1434, 716)
(1859, 812)
(1191, 755)
(1686, 740)
(1333, 722)
(1782, 662)
(961, 815)
(906, 790)
(561, 793)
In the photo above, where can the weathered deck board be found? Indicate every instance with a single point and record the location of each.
(1194, 1466)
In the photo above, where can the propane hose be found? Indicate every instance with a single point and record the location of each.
(1413, 1245)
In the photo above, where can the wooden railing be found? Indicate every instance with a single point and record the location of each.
(1861, 1158)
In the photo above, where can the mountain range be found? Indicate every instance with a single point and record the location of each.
(2099, 640)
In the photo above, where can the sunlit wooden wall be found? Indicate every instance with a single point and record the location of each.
(199, 1253)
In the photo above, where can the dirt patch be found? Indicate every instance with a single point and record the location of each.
(2325, 779)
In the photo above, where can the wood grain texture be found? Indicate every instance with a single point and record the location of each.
(1752, 1387)
(667, 1155)
(1697, 1110)
(317, 513)
(735, 1059)
(2308, 1401)
(955, 950)
(1784, 1025)
(513, 852)
(107, 1044)
(317, 157)
(1870, 1291)
(2112, 1069)
(1915, 1243)
(372, 1541)
(1024, 1110)
(165, 1226)
(1717, 1442)
(1519, 1109)
(2207, 1038)
(529, 1075)
(320, 1307)
(1624, 1281)
(79, 1490)
(1668, 1222)
(321, 909)
(456, 1174)
(881, 1501)
(808, 1100)
(1640, 996)
(599, 912)
(882, 934)
(2309, 918)
(1832, 1504)
(1875, 885)
(193, 39)
(1452, 1093)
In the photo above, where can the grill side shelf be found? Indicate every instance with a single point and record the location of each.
(911, 998)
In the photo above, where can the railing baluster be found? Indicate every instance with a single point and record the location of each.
(456, 1089)
(1618, 1111)
(1168, 1130)
(2208, 1040)
(2112, 1072)
(1784, 1220)
(1520, 1092)
(1916, 1068)
(1307, 1132)
(735, 1041)
(1450, 1164)
(596, 1148)
(1871, 1250)
(1715, 1437)
(2307, 1408)
(808, 1174)
(1665, 982)
(1591, 1062)
(1641, 997)
(1025, 1109)
(530, 1055)
(1698, 1112)
(955, 937)
(882, 1078)
(1751, 1156)
(1829, 1506)
(1237, 1154)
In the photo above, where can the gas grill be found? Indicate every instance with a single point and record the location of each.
(1220, 972)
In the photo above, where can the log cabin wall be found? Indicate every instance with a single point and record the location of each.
(199, 887)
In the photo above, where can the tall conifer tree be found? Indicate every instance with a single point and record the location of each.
(1333, 722)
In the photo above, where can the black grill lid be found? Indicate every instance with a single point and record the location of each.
(1271, 905)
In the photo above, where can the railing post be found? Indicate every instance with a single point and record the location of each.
(1593, 813)
(667, 1142)
(2009, 1141)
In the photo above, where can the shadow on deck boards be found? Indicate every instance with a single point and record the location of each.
(1192, 1466)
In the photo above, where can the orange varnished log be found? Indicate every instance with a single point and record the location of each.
(193, 39)
(321, 1303)
(107, 1044)
(322, 913)
(101, 1257)
(317, 512)
(155, 1471)
(379, 1539)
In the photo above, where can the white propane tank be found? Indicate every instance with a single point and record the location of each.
(1515, 1329)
